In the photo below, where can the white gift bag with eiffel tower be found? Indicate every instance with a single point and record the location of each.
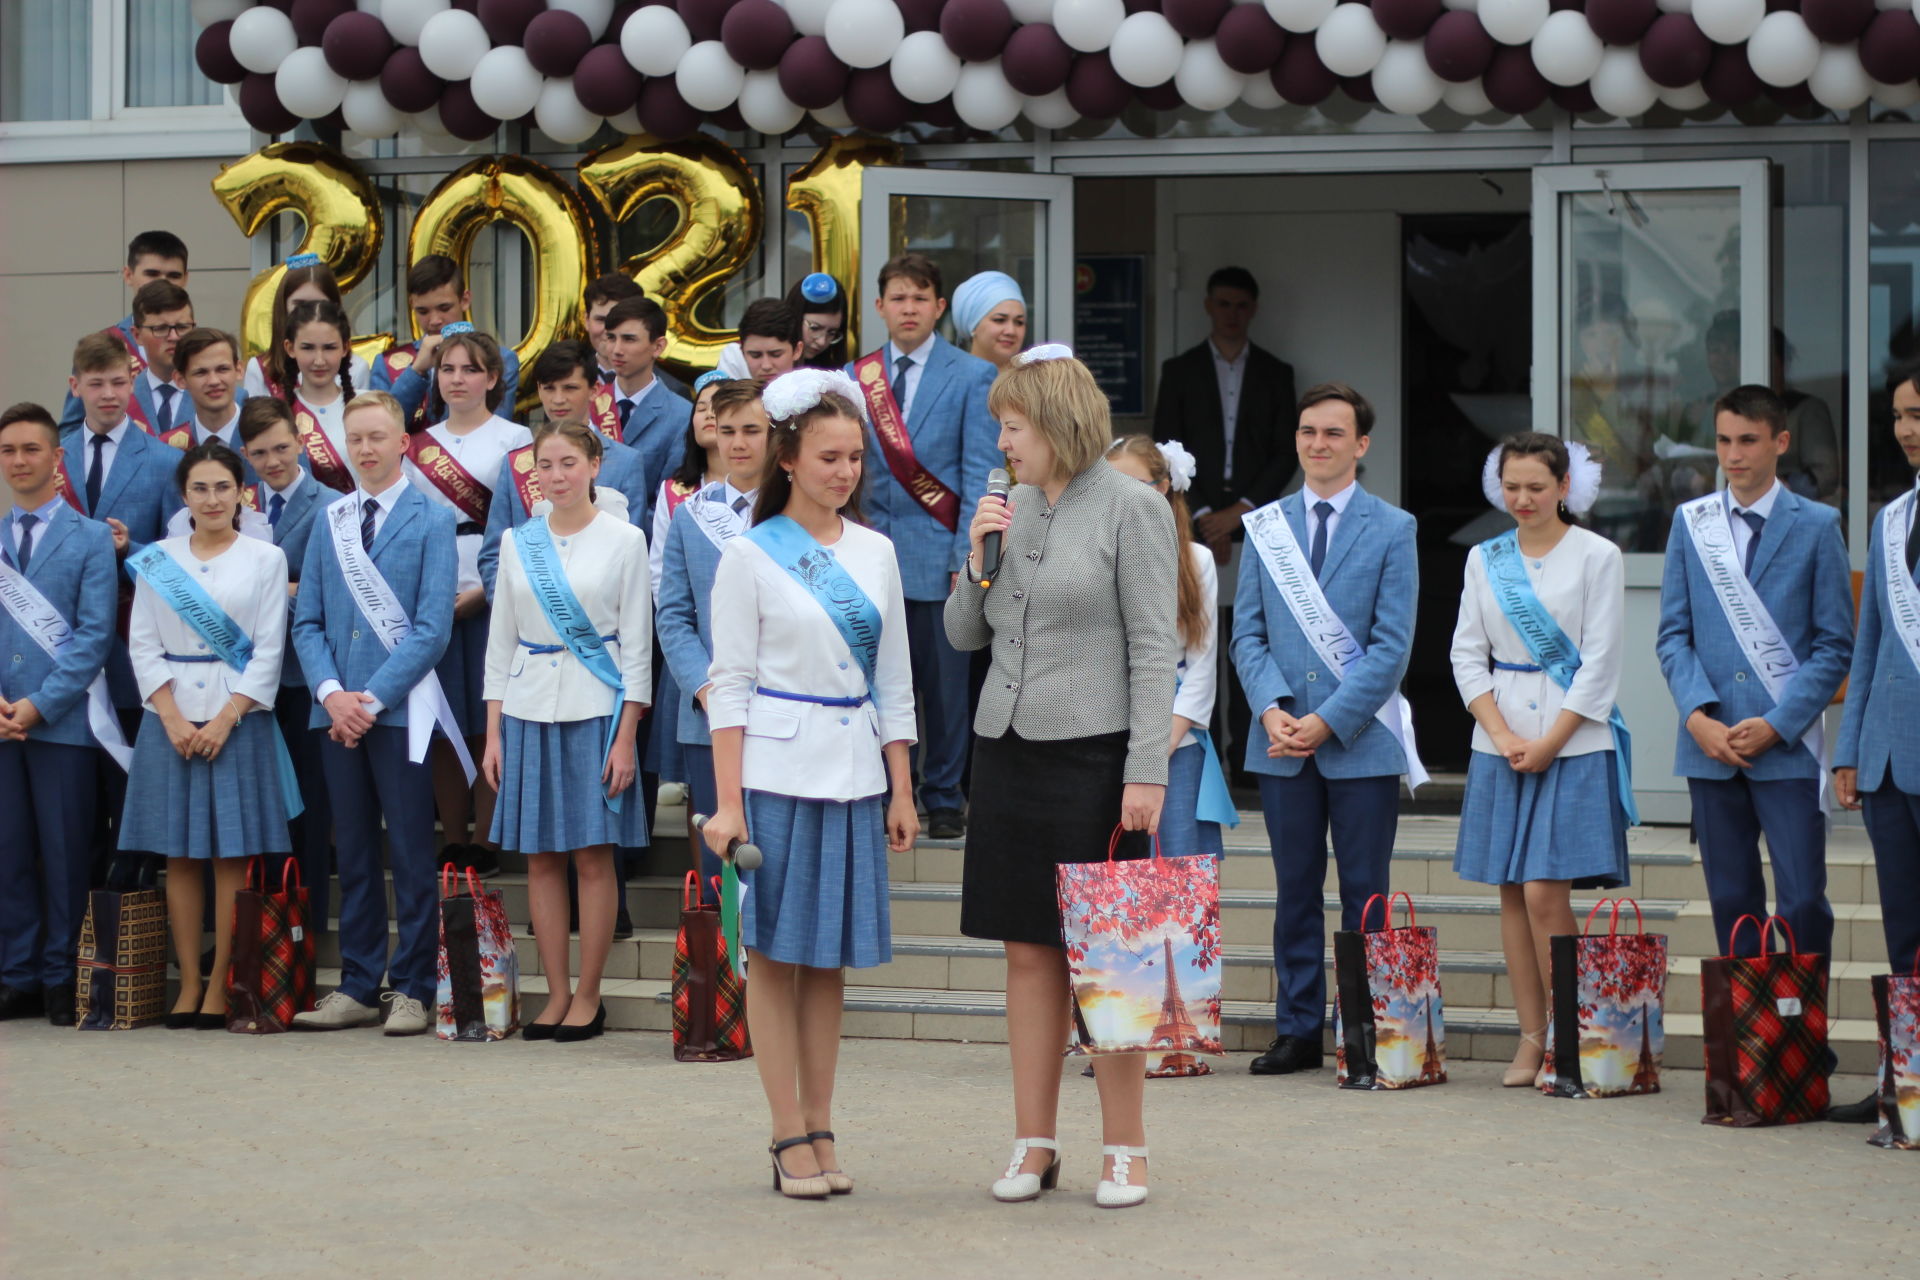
(1389, 1026)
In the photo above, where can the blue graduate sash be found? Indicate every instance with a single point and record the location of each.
(1552, 649)
(853, 615)
(233, 646)
(569, 620)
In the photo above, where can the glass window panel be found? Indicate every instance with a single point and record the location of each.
(1893, 263)
(161, 71)
(965, 236)
(45, 56)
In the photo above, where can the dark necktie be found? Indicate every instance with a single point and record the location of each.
(275, 506)
(25, 553)
(740, 505)
(1756, 522)
(1323, 512)
(166, 409)
(901, 368)
(625, 408)
(368, 510)
(1913, 543)
(97, 473)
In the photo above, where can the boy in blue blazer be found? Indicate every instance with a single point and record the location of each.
(162, 315)
(151, 256)
(651, 420)
(57, 602)
(1337, 737)
(207, 363)
(437, 295)
(1756, 628)
(928, 403)
(372, 618)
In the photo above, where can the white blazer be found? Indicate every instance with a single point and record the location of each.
(1199, 665)
(606, 564)
(1583, 585)
(249, 582)
(769, 631)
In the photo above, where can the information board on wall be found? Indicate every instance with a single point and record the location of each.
(1110, 326)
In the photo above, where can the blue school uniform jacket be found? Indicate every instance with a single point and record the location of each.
(74, 567)
(1877, 731)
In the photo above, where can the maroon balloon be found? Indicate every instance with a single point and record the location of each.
(1249, 41)
(506, 20)
(1621, 21)
(1196, 19)
(1142, 6)
(941, 114)
(756, 33)
(1300, 77)
(1037, 60)
(873, 103)
(261, 105)
(1458, 47)
(461, 116)
(1406, 19)
(1890, 47)
(1577, 98)
(357, 45)
(556, 41)
(311, 18)
(213, 53)
(471, 6)
(729, 118)
(664, 113)
(1729, 79)
(704, 18)
(606, 82)
(810, 75)
(1095, 89)
(621, 12)
(920, 15)
(1512, 83)
(1792, 97)
(1160, 97)
(976, 30)
(1675, 52)
(1837, 21)
(408, 84)
(1359, 88)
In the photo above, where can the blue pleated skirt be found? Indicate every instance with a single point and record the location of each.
(663, 731)
(820, 899)
(463, 673)
(1565, 823)
(551, 797)
(227, 807)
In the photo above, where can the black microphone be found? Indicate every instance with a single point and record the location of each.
(998, 482)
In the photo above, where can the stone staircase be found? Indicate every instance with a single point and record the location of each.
(942, 986)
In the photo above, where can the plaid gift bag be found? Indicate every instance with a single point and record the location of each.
(122, 979)
(1765, 1032)
(1608, 1031)
(1896, 1007)
(272, 974)
(1389, 1026)
(709, 997)
(478, 997)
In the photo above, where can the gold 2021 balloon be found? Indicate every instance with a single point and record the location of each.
(827, 191)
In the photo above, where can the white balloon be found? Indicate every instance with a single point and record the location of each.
(208, 12)
(595, 13)
(1089, 25)
(1050, 111)
(1781, 50)
(833, 116)
(983, 97)
(1469, 6)
(765, 107)
(923, 68)
(369, 6)
(1690, 97)
(1565, 50)
(864, 33)
(654, 40)
(558, 113)
(810, 19)
(708, 78)
(1025, 11)
(1467, 98)
(1896, 96)
(452, 43)
(1204, 81)
(406, 18)
(262, 37)
(1729, 21)
(1675, 6)
(628, 122)
(1888, 4)
(1621, 85)
(1403, 81)
(368, 112)
(306, 85)
(428, 125)
(1838, 81)
(505, 84)
(1146, 50)
(1300, 15)
(1260, 94)
(1350, 42)
(1516, 21)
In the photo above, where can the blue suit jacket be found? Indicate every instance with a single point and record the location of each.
(657, 433)
(619, 469)
(246, 467)
(411, 387)
(1877, 734)
(72, 412)
(1371, 578)
(415, 552)
(683, 618)
(957, 440)
(1801, 574)
(74, 567)
(291, 535)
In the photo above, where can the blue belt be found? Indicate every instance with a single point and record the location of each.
(1516, 666)
(190, 657)
(811, 697)
(531, 647)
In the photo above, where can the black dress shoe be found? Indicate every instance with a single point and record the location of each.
(1286, 1055)
(209, 1022)
(538, 1030)
(60, 1006)
(565, 1034)
(622, 925)
(181, 1020)
(1865, 1111)
(16, 1003)
(481, 860)
(946, 824)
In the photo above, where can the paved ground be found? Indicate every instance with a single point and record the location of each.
(202, 1154)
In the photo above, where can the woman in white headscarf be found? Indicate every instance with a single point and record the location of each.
(990, 317)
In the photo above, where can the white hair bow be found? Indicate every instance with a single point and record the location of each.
(1181, 465)
(1583, 479)
(792, 394)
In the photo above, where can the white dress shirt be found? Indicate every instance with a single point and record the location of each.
(1742, 531)
(255, 381)
(1339, 500)
(249, 582)
(382, 508)
(770, 632)
(904, 386)
(227, 433)
(106, 454)
(1583, 586)
(43, 516)
(621, 397)
(606, 565)
(1199, 665)
(1231, 374)
(480, 451)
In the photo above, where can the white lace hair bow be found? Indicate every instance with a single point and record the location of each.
(1583, 479)
(1045, 351)
(1181, 465)
(792, 394)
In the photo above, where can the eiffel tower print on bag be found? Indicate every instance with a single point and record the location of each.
(1389, 1025)
(1608, 1030)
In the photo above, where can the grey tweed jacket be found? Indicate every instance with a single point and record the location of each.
(1081, 619)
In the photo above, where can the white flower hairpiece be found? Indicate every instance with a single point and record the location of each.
(1045, 351)
(1181, 465)
(792, 394)
(1583, 478)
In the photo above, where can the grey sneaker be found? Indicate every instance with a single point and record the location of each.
(336, 1010)
(405, 1015)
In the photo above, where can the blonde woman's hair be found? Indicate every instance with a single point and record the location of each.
(1193, 616)
(1064, 404)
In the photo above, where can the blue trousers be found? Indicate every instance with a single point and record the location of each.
(367, 782)
(312, 831)
(1729, 815)
(940, 687)
(1363, 814)
(1893, 824)
(703, 795)
(46, 858)
(1182, 833)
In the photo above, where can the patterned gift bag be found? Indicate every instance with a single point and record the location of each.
(1896, 1007)
(122, 979)
(478, 997)
(1765, 1032)
(1143, 948)
(709, 997)
(272, 974)
(1389, 1025)
(1608, 1032)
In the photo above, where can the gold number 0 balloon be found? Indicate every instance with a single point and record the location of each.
(530, 196)
(827, 191)
(717, 231)
(335, 200)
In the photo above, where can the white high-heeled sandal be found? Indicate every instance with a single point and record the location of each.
(1018, 1186)
(1117, 1192)
(1527, 1077)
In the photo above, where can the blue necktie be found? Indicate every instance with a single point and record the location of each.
(166, 409)
(901, 368)
(25, 553)
(97, 473)
(1323, 512)
(367, 512)
(625, 408)
(1913, 545)
(275, 505)
(1755, 522)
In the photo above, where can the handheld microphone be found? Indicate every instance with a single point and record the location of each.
(998, 483)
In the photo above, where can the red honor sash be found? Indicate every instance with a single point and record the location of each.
(890, 427)
(602, 416)
(63, 485)
(181, 437)
(133, 349)
(468, 496)
(274, 389)
(678, 493)
(329, 468)
(255, 495)
(526, 482)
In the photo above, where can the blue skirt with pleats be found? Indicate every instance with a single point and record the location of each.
(820, 899)
(463, 673)
(663, 731)
(1565, 823)
(228, 807)
(551, 797)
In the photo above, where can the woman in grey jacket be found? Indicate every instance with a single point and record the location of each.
(1071, 732)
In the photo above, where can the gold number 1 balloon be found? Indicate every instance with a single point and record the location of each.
(827, 191)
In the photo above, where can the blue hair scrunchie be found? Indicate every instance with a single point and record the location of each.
(299, 260)
(707, 379)
(820, 287)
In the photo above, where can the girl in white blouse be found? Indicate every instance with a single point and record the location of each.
(210, 778)
(307, 279)
(811, 707)
(311, 366)
(1548, 799)
(568, 666)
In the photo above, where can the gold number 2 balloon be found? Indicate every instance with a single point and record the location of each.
(827, 191)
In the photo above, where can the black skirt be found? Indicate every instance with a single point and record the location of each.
(1035, 805)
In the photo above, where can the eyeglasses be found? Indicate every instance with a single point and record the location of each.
(224, 489)
(817, 330)
(167, 330)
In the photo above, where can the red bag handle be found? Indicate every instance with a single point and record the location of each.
(690, 892)
(1113, 842)
(1389, 900)
(717, 884)
(1613, 917)
(290, 875)
(1916, 962)
(1766, 929)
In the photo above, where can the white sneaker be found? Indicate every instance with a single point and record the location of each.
(336, 1010)
(1018, 1186)
(405, 1015)
(1116, 1192)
